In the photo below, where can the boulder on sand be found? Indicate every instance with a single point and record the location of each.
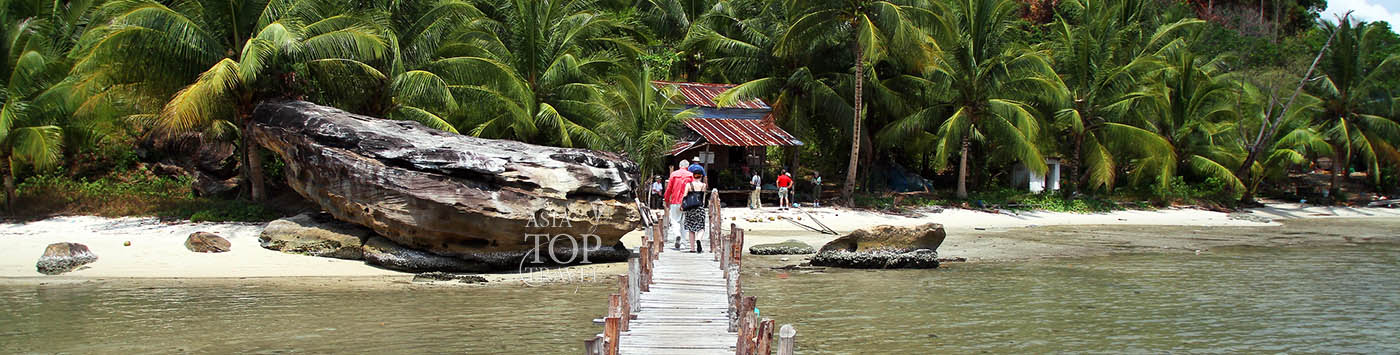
(205, 242)
(789, 247)
(315, 234)
(885, 247)
(64, 257)
(488, 203)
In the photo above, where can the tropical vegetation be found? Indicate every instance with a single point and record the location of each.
(1150, 99)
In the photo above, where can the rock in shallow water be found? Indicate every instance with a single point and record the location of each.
(488, 203)
(64, 257)
(315, 234)
(885, 247)
(385, 253)
(789, 247)
(205, 242)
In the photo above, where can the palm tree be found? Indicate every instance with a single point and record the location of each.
(739, 39)
(672, 21)
(35, 37)
(236, 54)
(1351, 90)
(643, 120)
(1194, 109)
(537, 77)
(427, 35)
(1103, 58)
(981, 85)
(1286, 134)
(872, 30)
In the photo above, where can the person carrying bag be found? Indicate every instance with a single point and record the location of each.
(694, 206)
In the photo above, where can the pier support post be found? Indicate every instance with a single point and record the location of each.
(786, 337)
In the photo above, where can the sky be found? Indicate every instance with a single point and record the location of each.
(1367, 10)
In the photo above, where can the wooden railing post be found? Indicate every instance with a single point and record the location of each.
(786, 337)
(732, 288)
(736, 249)
(625, 301)
(645, 256)
(611, 332)
(748, 326)
(595, 346)
(765, 337)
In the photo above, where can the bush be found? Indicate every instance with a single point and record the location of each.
(129, 192)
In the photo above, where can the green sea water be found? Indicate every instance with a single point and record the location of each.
(1342, 299)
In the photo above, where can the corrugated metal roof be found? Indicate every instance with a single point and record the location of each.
(703, 95)
(683, 146)
(741, 132)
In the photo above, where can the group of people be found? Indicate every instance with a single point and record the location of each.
(785, 190)
(686, 183)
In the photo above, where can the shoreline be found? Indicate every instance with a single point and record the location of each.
(157, 254)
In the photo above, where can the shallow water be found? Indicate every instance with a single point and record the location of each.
(280, 319)
(1333, 299)
(1328, 300)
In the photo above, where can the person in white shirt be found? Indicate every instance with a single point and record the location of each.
(757, 183)
(656, 189)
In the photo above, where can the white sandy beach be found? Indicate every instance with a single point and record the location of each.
(157, 249)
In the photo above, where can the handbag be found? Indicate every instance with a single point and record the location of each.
(693, 200)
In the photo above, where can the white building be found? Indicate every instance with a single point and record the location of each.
(1022, 177)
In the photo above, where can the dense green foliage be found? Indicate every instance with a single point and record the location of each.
(1142, 97)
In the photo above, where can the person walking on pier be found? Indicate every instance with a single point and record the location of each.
(695, 216)
(675, 194)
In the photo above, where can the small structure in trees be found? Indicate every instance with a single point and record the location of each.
(725, 137)
(1022, 177)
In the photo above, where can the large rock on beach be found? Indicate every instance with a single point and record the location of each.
(205, 242)
(885, 247)
(315, 234)
(789, 247)
(64, 257)
(488, 203)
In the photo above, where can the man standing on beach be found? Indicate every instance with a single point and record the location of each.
(816, 188)
(675, 194)
(784, 184)
(757, 183)
(656, 189)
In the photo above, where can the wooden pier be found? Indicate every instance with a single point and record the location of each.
(680, 302)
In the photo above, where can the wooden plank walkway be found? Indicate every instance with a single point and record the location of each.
(686, 311)
(686, 303)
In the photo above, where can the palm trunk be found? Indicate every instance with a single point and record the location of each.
(962, 168)
(9, 186)
(1336, 167)
(1076, 162)
(252, 162)
(849, 191)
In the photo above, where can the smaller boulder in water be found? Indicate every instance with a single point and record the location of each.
(316, 234)
(789, 247)
(205, 242)
(64, 257)
(885, 247)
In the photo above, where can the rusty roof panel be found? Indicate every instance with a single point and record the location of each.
(703, 95)
(741, 132)
(683, 146)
